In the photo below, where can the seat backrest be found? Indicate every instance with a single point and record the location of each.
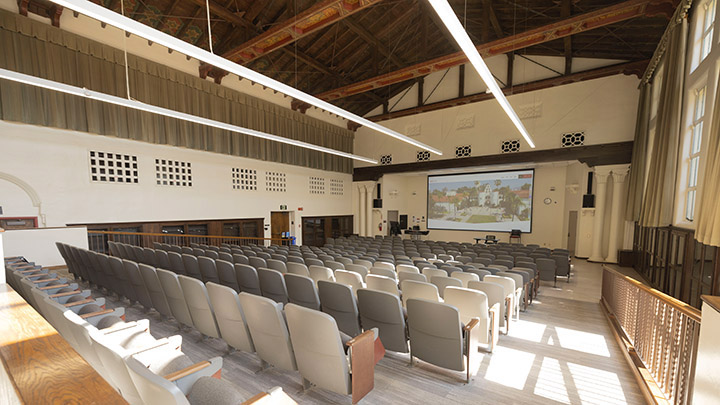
(175, 297)
(247, 279)
(198, 303)
(157, 295)
(436, 333)
(382, 283)
(417, 289)
(149, 256)
(363, 262)
(407, 268)
(192, 268)
(133, 272)
(268, 330)
(471, 303)
(208, 269)
(338, 301)
(430, 273)
(153, 389)
(517, 278)
(230, 317)
(226, 274)
(298, 268)
(383, 310)
(318, 273)
(507, 283)
(546, 268)
(272, 285)
(444, 281)
(177, 265)
(384, 264)
(240, 258)
(302, 291)
(359, 269)
(257, 262)
(383, 271)
(162, 260)
(404, 275)
(334, 265)
(318, 349)
(277, 265)
(465, 277)
(350, 279)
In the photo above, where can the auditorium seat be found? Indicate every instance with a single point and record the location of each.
(175, 297)
(338, 301)
(384, 311)
(302, 291)
(416, 289)
(269, 331)
(230, 317)
(198, 302)
(473, 304)
(272, 285)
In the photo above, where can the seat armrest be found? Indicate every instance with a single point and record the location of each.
(65, 294)
(494, 313)
(184, 379)
(141, 325)
(76, 303)
(50, 287)
(47, 280)
(362, 364)
(98, 313)
(472, 324)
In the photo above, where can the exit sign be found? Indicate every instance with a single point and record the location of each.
(283, 207)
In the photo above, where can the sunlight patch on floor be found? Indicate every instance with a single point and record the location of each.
(550, 382)
(585, 342)
(597, 387)
(526, 330)
(509, 367)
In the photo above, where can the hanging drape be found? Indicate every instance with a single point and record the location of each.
(41, 50)
(636, 182)
(707, 208)
(657, 205)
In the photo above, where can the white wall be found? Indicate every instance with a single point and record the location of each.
(2, 254)
(38, 245)
(604, 109)
(707, 371)
(55, 163)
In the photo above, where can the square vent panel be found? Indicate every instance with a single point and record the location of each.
(509, 146)
(108, 167)
(244, 179)
(316, 185)
(422, 156)
(275, 181)
(173, 173)
(386, 159)
(337, 187)
(463, 151)
(573, 139)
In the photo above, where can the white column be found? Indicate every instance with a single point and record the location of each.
(2, 254)
(616, 217)
(369, 214)
(361, 211)
(601, 176)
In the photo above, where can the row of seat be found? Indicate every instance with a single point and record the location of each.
(143, 369)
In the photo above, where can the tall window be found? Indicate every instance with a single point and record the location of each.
(694, 152)
(707, 29)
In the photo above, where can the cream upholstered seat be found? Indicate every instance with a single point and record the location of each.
(320, 355)
(385, 265)
(474, 304)
(268, 330)
(511, 290)
(302, 291)
(198, 303)
(438, 336)
(383, 310)
(175, 297)
(496, 295)
(350, 279)
(382, 283)
(359, 269)
(230, 317)
(407, 268)
(444, 281)
(298, 268)
(338, 301)
(404, 275)
(383, 271)
(417, 289)
(430, 272)
(318, 273)
(465, 277)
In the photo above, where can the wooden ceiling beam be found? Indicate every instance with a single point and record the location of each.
(494, 22)
(592, 155)
(571, 26)
(373, 41)
(631, 68)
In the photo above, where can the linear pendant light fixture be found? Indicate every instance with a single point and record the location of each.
(448, 16)
(136, 105)
(129, 25)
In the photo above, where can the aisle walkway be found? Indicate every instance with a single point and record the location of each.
(561, 352)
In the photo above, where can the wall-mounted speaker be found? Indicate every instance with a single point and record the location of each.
(377, 203)
(588, 201)
(379, 194)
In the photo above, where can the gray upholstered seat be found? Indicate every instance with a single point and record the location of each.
(272, 285)
(226, 274)
(192, 268)
(162, 260)
(136, 280)
(241, 259)
(382, 310)
(277, 265)
(357, 268)
(298, 268)
(302, 291)
(177, 265)
(334, 265)
(404, 275)
(157, 295)
(383, 271)
(444, 281)
(198, 303)
(338, 301)
(257, 262)
(230, 317)
(208, 271)
(247, 279)
(268, 330)
(174, 296)
(547, 269)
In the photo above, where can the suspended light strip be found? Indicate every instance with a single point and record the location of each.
(136, 105)
(447, 15)
(110, 17)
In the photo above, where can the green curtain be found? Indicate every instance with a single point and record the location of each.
(41, 50)
(657, 206)
(636, 182)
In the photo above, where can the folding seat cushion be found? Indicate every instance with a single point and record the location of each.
(230, 317)
(384, 311)
(268, 330)
(302, 291)
(272, 285)
(175, 297)
(198, 303)
(338, 301)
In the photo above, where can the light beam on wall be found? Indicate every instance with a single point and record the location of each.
(129, 25)
(447, 15)
(136, 105)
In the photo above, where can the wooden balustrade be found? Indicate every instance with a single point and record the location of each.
(659, 332)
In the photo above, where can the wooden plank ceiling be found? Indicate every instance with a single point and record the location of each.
(323, 47)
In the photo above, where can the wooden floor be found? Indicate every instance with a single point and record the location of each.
(560, 352)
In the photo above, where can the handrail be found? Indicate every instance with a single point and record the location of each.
(683, 307)
(182, 235)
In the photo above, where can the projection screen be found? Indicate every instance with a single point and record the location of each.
(488, 201)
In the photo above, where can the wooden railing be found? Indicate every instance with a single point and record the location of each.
(659, 332)
(97, 240)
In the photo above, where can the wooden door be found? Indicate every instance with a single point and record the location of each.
(279, 223)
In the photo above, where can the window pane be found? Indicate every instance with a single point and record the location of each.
(696, 138)
(700, 104)
(706, 44)
(690, 205)
(710, 15)
(694, 162)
